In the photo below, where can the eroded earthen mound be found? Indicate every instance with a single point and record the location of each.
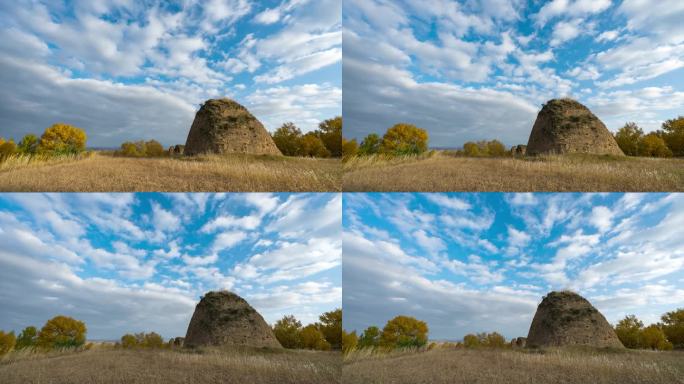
(224, 318)
(566, 126)
(224, 126)
(566, 318)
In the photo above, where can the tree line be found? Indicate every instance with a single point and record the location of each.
(665, 142)
(322, 336)
(60, 332)
(58, 139)
(400, 139)
(665, 335)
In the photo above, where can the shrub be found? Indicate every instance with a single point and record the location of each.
(7, 342)
(7, 148)
(404, 139)
(287, 331)
(404, 331)
(370, 337)
(28, 338)
(652, 337)
(312, 146)
(349, 148)
(28, 144)
(471, 149)
(349, 341)
(154, 149)
(370, 145)
(63, 139)
(628, 138)
(496, 148)
(312, 338)
(331, 327)
(142, 340)
(653, 145)
(288, 139)
(129, 341)
(628, 331)
(62, 332)
(492, 340)
(471, 341)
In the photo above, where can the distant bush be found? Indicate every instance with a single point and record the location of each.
(665, 336)
(350, 148)
(484, 148)
(654, 146)
(140, 148)
(62, 332)
(150, 340)
(673, 326)
(628, 138)
(471, 341)
(653, 337)
(7, 148)
(7, 342)
(330, 133)
(287, 138)
(628, 330)
(370, 337)
(326, 141)
(28, 144)
(28, 338)
(312, 146)
(287, 331)
(323, 336)
(62, 139)
(370, 145)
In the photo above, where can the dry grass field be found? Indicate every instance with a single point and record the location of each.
(582, 173)
(101, 172)
(108, 365)
(455, 366)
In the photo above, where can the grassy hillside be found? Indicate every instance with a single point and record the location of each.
(442, 172)
(483, 366)
(108, 365)
(102, 172)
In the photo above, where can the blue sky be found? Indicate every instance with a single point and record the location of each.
(139, 262)
(468, 263)
(126, 70)
(481, 69)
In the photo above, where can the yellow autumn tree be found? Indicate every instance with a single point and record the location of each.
(349, 341)
(63, 139)
(404, 331)
(62, 332)
(404, 139)
(312, 338)
(7, 342)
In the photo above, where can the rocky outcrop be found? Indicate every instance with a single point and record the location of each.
(566, 126)
(224, 126)
(518, 342)
(224, 318)
(519, 150)
(566, 318)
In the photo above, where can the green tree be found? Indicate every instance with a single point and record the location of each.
(471, 149)
(349, 147)
(673, 326)
(62, 332)
(496, 148)
(673, 134)
(62, 139)
(331, 326)
(152, 340)
(154, 149)
(330, 132)
(370, 337)
(404, 139)
(7, 342)
(287, 331)
(349, 341)
(652, 337)
(628, 138)
(312, 338)
(404, 331)
(28, 338)
(370, 145)
(471, 341)
(628, 331)
(28, 144)
(312, 146)
(288, 139)
(653, 145)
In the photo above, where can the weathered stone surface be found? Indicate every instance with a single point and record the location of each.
(224, 126)
(224, 318)
(566, 318)
(566, 126)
